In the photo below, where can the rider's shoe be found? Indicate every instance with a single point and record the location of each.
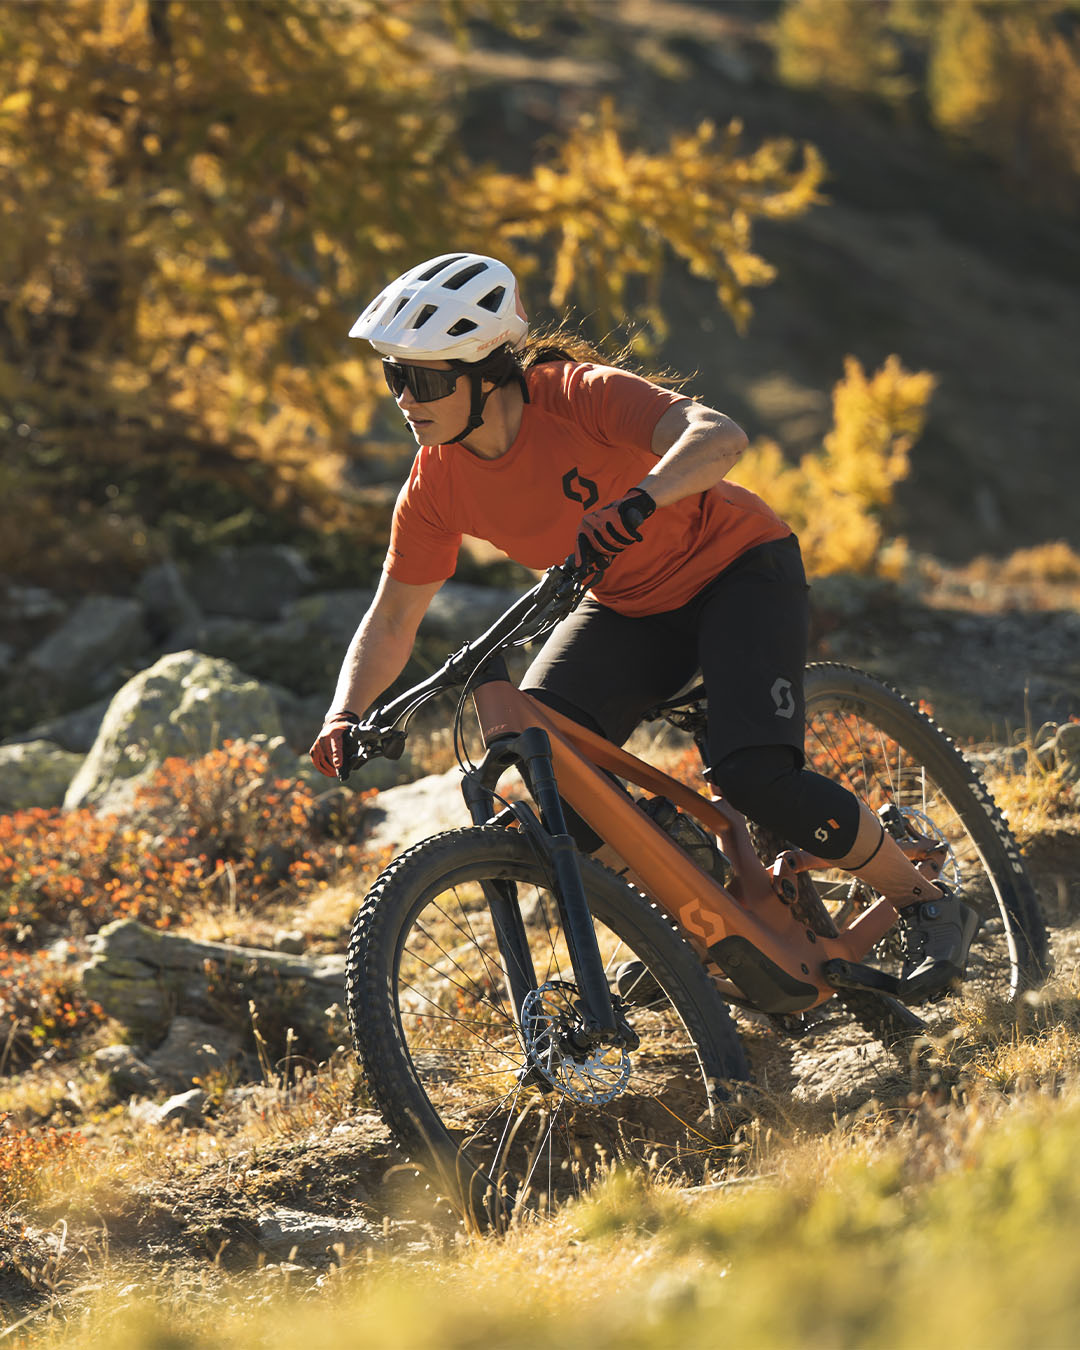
(636, 985)
(938, 935)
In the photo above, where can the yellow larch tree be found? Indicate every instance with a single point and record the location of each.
(836, 499)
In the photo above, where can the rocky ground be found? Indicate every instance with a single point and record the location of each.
(273, 1177)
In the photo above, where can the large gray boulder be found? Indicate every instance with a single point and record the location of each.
(186, 704)
(103, 631)
(402, 816)
(144, 977)
(253, 582)
(35, 773)
(460, 611)
(169, 604)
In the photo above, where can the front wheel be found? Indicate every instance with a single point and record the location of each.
(875, 742)
(498, 1101)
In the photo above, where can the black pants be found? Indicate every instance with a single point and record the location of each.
(746, 631)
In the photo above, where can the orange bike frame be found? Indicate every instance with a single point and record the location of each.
(704, 910)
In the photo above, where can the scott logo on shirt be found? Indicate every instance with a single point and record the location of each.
(580, 489)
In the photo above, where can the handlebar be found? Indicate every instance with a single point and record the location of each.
(559, 591)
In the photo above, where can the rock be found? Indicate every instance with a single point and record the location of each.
(1006, 759)
(75, 731)
(142, 976)
(30, 604)
(1061, 748)
(186, 704)
(254, 582)
(300, 717)
(35, 773)
(402, 816)
(846, 594)
(334, 613)
(103, 631)
(191, 1049)
(189, 1108)
(459, 611)
(169, 605)
(289, 941)
(127, 1073)
(7, 657)
(313, 1237)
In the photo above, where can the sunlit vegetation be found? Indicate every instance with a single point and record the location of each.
(836, 499)
(43, 1009)
(999, 77)
(962, 1210)
(26, 1159)
(173, 345)
(222, 832)
(222, 825)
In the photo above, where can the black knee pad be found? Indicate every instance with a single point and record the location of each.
(768, 784)
(756, 779)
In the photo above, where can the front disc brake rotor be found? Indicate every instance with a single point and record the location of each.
(549, 1017)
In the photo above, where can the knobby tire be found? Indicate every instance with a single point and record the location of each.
(873, 740)
(442, 1053)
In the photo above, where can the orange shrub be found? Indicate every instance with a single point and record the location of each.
(222, 821)
(24, 1155)
(42, 1008)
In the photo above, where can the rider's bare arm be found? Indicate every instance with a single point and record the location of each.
(697, 447)
(381, 645)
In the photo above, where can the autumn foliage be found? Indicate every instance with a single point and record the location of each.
(1000, 77)
(43, 1009)
(216, 190)
(836, 499)
(221, 826)
(25, 1158)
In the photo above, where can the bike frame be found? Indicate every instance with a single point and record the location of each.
(767, 958)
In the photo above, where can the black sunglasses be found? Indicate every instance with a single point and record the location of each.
(425, 385)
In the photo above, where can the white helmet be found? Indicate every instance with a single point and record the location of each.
(458, 307)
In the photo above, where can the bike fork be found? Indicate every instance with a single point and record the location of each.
(530, 751)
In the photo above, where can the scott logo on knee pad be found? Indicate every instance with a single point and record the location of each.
(783, 698)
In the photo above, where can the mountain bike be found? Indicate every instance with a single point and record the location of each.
(525, 1015)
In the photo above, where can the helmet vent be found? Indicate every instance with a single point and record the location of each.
(462, 327)
(397, 308)
(423, 316)
(440, 263)
(493, 299)
(466, 274)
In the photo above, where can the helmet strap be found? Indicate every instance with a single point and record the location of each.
(478, 399)
(476, 407)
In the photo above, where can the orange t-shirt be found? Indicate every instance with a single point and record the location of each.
(585, 440)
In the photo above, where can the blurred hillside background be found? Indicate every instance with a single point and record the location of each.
(852, 224)
(197, 200)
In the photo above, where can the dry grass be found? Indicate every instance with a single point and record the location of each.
(948, 1199)
(1036, 798)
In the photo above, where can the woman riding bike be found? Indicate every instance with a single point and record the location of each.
(544, 456)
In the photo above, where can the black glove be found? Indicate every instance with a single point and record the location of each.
(609, 529)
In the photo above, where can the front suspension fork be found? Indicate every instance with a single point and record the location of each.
(530, 752)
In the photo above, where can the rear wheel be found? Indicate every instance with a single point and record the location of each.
(505, 1111)
(875, 742)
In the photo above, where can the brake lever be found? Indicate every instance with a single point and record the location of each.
(362, 743)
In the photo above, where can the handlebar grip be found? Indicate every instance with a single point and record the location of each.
(362, 743)
(633, 515)
(636, 508)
